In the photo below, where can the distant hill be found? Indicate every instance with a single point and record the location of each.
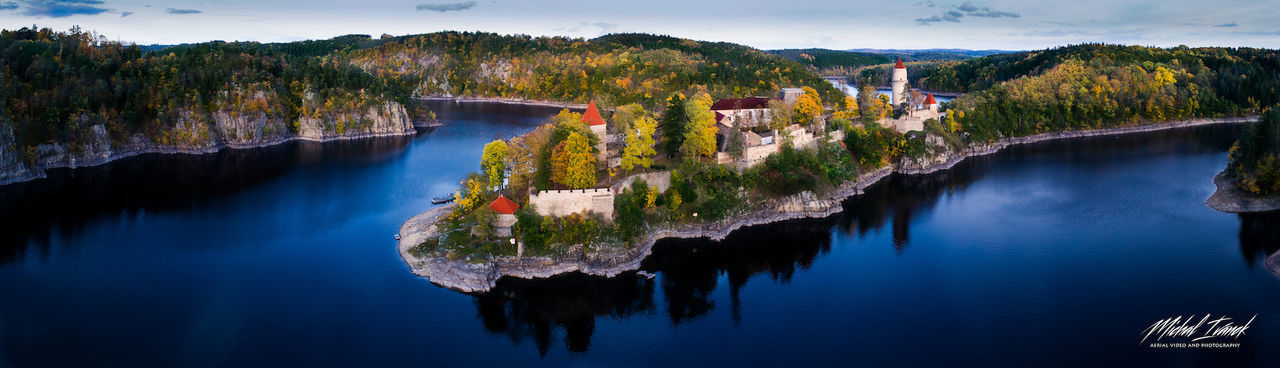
(832, 62)
(934, 54)
(612, 70)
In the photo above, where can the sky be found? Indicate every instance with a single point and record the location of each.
(833, 24)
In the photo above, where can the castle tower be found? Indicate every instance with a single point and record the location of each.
(931, 104)
(592, 118)
(899, 84)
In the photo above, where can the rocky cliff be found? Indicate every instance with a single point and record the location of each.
(195, 133)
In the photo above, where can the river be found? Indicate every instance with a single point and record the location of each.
(1055, 253)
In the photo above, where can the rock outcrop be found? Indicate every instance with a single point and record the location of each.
(193, 134)
(1230, 198)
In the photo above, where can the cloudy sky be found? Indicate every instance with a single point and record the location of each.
(836, 24)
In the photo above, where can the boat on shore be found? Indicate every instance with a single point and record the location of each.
(442, 199)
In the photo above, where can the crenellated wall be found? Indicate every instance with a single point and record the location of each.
(558, 203)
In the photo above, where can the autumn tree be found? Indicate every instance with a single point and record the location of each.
(700, 136)
(807, 107)
(580, 169)
(639, 150)
(673, 124)
(559, 163)
(624, 119)
(780, 114)
(848, 109)
(493, 162)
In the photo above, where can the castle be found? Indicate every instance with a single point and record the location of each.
(914, 116)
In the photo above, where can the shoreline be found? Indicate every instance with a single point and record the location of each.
(1230, 199)
(472, 278)
(505, 101)
(131, 151)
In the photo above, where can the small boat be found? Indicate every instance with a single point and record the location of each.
(397, 236)
(442, 199)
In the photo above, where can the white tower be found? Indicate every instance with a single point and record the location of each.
(899, 84)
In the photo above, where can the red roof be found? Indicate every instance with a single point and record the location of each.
(592, 115)
(929, 100)
(899, 65)
(742, 103)
(504, 206)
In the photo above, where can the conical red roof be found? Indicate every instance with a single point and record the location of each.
(592, 115)
(899, 65)
(929, 100)
(504, 206)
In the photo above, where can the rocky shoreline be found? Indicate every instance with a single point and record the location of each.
(471, 277)
(505, 101)
(1229, 198)
(233, 132)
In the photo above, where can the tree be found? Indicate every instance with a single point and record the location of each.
(734, 141)
(780, 114)
(673, 124)
(493, 162)
(874, 106)
(559, 163)
(624, 119)
(846, 110)
(807, 107)
(639, 150)
(700, 137)
(580, 171)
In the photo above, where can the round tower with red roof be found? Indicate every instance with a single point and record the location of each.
(898, 84)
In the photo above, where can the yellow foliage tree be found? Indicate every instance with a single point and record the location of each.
(700, 134)
(493, 162)
(639, 150)
(580, 171)
(808, 107)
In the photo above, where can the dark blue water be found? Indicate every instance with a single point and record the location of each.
(1057, 253)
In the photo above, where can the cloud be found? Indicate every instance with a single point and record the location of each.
(970, 9)
(960, 11)
(125, 14)
(9, 5)
(61, 8)
(1227, 25)
(444, 7)
(182, 11)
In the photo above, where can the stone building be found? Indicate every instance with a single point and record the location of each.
(506, 217)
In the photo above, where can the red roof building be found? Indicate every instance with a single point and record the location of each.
(746, 103)
(504, 206)
(930, 101)
(592, 115)
(899, 65)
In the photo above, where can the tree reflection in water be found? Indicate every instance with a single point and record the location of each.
(1259, 237)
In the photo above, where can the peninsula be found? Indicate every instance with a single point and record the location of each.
(589, 194)
(1251, 181)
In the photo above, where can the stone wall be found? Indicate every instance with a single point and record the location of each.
(660, 180)
(558, 203)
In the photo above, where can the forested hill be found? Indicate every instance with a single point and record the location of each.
(833, 62)
(1092, 86)
(983, 72)
(612, 70)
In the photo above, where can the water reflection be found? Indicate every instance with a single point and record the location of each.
(532, 309)
(1259, 237)
(65, 202)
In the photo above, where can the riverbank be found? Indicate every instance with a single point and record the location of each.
(1231, 199)
(505, 101)
(21, 173)
(471, 277)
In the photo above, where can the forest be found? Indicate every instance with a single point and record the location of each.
(1098, 86)
(612, 70)
(56, 85)
(1255, 157)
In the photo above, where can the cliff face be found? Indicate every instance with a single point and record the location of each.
(195, 133)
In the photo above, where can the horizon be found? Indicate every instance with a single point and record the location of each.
(916, 25)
